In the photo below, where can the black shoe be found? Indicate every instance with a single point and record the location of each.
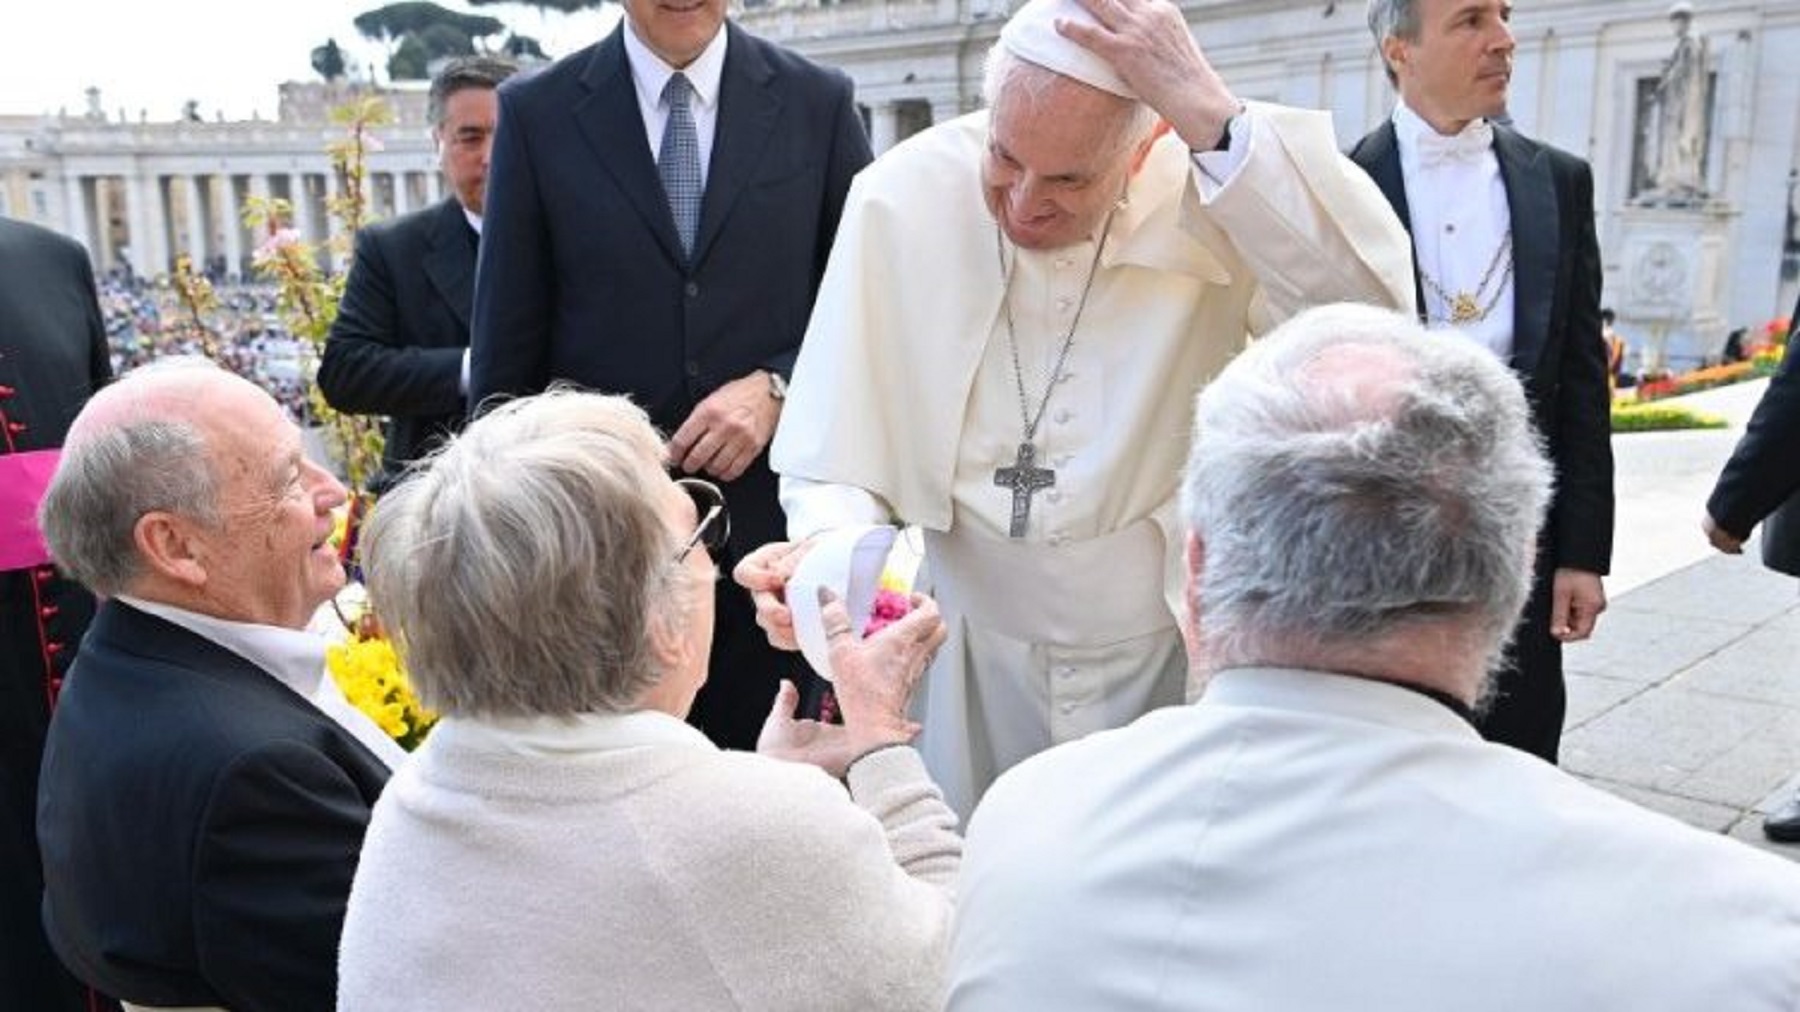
(1783, 824)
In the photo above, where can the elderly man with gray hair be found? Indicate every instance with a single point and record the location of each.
(551, 589)
(199, 816)
(1324, 828)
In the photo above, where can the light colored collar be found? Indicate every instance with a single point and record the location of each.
(577, 733)
(1413, 134)
(295, 657)
(649, 73)
(1332, 694)
(472, 218)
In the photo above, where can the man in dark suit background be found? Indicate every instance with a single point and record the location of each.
(53, 355)
(1758, 483)
(1504, 249)
(200, 817)
(399, 345)
(660, 212)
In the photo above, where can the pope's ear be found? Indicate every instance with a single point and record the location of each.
(168, 548)
(1143, 149)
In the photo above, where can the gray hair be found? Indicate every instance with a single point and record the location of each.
(1352, 476)
(464, 72)
(521, 566)
(1392, 18)
(1006, 74)
(139, 462)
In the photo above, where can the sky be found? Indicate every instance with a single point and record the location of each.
(230, 56)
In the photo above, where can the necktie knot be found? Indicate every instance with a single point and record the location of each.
(1470, 145)
(678, 161)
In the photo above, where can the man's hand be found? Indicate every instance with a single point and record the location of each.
(1577, 598)
(1722, 539)
(1150, 46)
(765, 574)
(727, 429)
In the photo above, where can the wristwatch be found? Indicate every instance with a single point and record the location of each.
(777, 386)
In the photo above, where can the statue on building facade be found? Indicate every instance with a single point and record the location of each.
(1676, 130)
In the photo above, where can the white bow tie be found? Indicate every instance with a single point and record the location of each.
(1475, 141)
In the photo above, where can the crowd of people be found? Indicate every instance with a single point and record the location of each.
(145, 320)
(1258, 502)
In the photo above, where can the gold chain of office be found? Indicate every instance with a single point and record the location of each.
(1468, 307)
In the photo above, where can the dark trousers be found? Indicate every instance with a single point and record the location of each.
(1529, 700)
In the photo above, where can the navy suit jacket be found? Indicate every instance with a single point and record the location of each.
(200, 823)
(1558, 352)
(1764, 470)
(582, 277)
(396, 348)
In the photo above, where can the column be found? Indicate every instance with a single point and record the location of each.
(882, 127)
(148, 225)
(75, 214)
(232, 213)
(99, 192)
(198, 245)
(298, 199)
(402, 193)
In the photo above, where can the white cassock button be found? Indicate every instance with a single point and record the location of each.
(1068, 708)
(1062, 459)
(1053, 495)
(1063, 416)
(1064, 263)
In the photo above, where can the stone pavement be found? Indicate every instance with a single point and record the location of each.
(1687, 699)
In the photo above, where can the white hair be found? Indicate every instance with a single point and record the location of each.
(1352, 475)
(521, 566)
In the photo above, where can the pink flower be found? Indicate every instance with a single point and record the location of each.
(272, 247)
(890, 607)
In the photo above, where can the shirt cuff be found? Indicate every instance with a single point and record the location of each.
(462, 383)
(814, 506)
(1219, 168)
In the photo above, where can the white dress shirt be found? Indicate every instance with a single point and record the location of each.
(293, 657)
(1459, 218)
(649, 74)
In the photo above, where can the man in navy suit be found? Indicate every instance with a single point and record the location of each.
(399, 345)
(1504, 250)
(1757, 484)
(660, 211)
(199, 816)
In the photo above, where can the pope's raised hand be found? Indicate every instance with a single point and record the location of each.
(1150, 46)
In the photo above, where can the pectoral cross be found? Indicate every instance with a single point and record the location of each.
(1024, 477)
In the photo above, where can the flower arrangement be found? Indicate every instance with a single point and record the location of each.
(368, 672)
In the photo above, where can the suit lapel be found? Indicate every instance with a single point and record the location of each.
(609, 119)
(748, 105)
(1379, 156)
(450, 261)
(1537, 236)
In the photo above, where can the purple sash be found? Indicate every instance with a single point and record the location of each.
(23, 478)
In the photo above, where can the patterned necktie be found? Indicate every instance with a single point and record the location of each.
(678, 161)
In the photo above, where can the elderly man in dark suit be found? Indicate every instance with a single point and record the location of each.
(660, 212)
(52, 357)
(1504, 250)
(200, 817)
(399, 345)
(1758, 483)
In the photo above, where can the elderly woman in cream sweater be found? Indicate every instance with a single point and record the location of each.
(563, 840)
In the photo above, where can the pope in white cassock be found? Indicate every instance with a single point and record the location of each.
(1018, 311)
